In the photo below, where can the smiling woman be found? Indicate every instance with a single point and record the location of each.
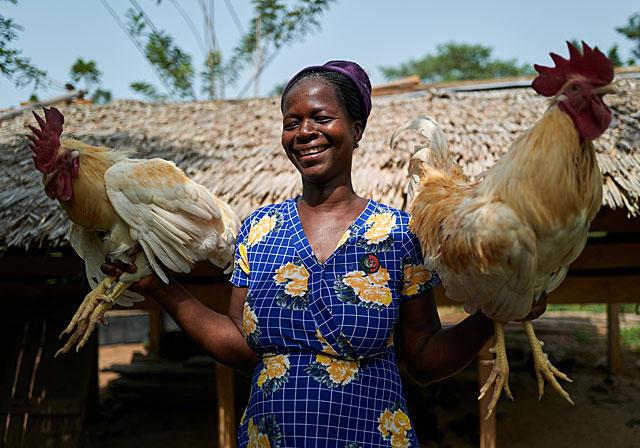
(322, 282)
(324, 291)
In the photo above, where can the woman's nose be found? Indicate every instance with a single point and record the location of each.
(306, 129)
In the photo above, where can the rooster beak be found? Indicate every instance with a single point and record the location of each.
(604, 90)
(47, 178)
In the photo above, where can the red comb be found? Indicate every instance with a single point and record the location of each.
(46, 140)
(591, 64)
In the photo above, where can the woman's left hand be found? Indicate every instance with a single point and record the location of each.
(538, 308)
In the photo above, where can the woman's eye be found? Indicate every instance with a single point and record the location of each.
(323, 119)
(290, 125)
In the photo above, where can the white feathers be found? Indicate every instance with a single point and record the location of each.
(176, 221)
(435, 152)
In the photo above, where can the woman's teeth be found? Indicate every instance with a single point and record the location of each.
(314, 150)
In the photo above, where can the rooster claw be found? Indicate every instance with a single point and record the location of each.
(499, 377)
(91, 312)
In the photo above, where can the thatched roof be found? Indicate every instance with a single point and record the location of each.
(234, 149)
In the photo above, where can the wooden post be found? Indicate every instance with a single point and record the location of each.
(156, 329)
(488, 430)
(614, 359)
(226, 407)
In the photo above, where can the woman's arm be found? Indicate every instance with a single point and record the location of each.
(220, 335)
(432, 353)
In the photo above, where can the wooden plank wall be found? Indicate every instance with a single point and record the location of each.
(42, 400)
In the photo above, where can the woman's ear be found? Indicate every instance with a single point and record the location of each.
(358, 129)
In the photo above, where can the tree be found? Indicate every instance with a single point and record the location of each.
(614, 55)
(13, 65)
(275, 23)
(632, 32)
(87, 72)
(453, 61)
(147, 90)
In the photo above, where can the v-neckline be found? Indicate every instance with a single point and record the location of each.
(302, 242)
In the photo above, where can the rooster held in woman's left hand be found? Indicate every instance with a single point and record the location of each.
(140, 214)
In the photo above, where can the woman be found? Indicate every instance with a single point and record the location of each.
(320, 283)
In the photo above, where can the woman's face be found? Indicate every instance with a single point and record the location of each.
(318, 134)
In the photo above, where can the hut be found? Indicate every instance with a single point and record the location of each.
(233, 147)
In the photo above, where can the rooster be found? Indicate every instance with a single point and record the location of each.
(503, 242)
(137, 214)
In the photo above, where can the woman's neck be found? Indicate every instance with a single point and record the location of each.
(328, 195)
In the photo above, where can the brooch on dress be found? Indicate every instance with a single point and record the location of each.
(369, 264)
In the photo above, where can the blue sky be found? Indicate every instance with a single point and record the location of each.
(373, 33)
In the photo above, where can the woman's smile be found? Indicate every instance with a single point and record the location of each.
(309, 153)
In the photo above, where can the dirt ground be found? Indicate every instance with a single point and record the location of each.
(606, 411)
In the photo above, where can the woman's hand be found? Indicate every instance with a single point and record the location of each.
(143, 286)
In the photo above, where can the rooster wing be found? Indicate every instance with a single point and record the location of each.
(488, 259)
(176, 221)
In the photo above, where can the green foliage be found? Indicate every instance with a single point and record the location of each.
(148, 91)
(631, 338)
(101, 96)
(277, 25)
(172, 64)
(212, 75)
(453, 61)
(632, 32)
(13, 66)
(630, 308)
(175, 64)
(86, 71)
(614, 55)
(278, 21)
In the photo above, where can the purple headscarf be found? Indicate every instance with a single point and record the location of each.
(352, 71)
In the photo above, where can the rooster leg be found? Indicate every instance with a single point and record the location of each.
(98, 313)
(92, 311)
(543, 367)
(88, 304)
(499, 376)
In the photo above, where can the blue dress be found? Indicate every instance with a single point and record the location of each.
(328, 375)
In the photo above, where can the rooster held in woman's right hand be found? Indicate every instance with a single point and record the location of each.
(501, 243)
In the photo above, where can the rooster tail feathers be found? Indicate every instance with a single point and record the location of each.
(433, 151)
(430, 130)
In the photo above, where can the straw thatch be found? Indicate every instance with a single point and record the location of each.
(234, 149)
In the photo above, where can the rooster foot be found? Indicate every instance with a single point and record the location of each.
(91, 311)
(499, 376)
(543, 367)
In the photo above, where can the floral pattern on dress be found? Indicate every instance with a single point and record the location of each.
(416, 278)
(294, 278)
(328, 369)
(394, 425)
(265, 434)
(243, 261)
(369, 290)
(347, 235)
(260, 228)
(250, 326)
(377, 237)
(274, 373)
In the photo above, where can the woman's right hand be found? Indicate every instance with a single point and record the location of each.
(143, 286)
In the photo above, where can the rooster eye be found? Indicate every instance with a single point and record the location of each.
(574, 88)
